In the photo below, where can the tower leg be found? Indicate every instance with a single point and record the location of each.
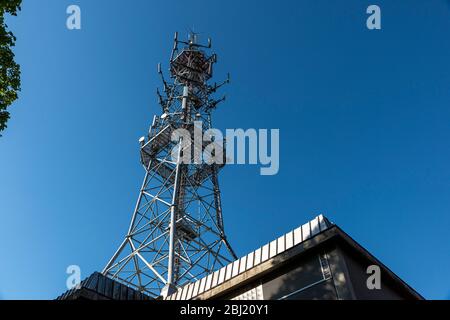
(170, 287)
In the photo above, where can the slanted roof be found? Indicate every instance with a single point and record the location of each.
(268, 251)
(100, 287)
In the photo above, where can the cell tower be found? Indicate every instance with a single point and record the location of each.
(176, 235)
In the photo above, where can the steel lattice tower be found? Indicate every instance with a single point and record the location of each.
(176, 233)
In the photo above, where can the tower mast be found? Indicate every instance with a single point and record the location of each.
(176, 234)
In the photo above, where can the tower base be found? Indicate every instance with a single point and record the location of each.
(168, 290)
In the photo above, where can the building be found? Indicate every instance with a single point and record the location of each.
(99, 287)
(317, 260)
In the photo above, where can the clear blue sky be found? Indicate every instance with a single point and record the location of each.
(363, 116)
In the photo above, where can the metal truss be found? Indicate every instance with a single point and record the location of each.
(176, 234)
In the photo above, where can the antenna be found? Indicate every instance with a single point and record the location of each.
(175, 46)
